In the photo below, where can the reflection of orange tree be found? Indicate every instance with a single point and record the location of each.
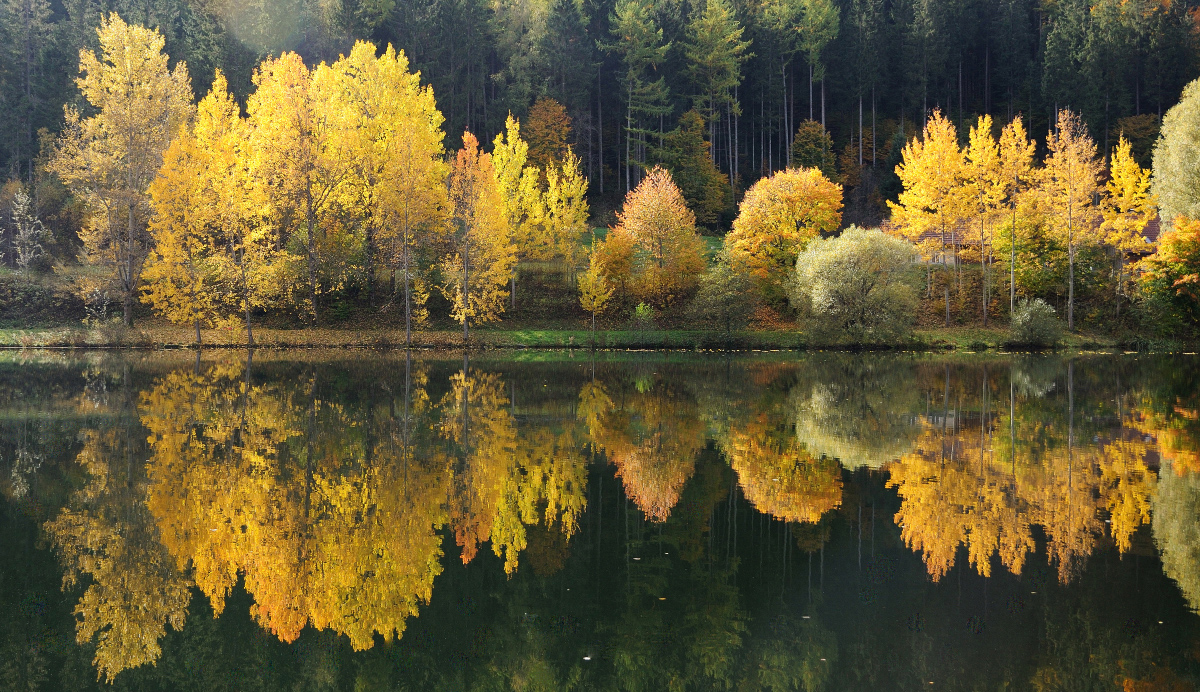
(652, 434)
(777, 475)
(1175, 428)
(505, 480)
(956, 489)
(332, 530)
(107, 533)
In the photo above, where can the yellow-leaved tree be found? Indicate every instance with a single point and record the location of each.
(934, 199)
(776, 219)
(300, 153)
(214, 249)
(594, 292)
(396, 139)
(653, 254)
(1016, 171)
(1069, 182)
(483, 257)
(109, 159)
(1127, 208)
(565, 210)
(523, 205)
(182, 283)
(985, 184)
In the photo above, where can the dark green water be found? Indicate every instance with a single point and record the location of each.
(353, 521)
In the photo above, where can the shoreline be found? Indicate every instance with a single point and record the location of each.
(151, 336)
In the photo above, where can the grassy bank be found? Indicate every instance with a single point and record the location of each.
(161, 335)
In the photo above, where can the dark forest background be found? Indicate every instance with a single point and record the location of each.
(886, 65)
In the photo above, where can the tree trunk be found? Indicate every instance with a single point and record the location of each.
(199, 342)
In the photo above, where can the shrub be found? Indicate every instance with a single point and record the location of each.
(858, 286)
(643, 317)
(725, 300)
(1035, 323)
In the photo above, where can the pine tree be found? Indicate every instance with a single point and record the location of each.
(641, 47)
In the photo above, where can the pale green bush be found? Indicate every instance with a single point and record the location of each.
(1035, 323)
(858, 287)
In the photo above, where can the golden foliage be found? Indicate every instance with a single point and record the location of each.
(777, 218)
(657, 255)
(780, 477)
(547, 128)
(932, 171)
(652, 435)
(476, 274)
(110, 159)
(107, 533)
(1129, 205)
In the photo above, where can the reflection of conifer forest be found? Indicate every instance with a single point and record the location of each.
(829, 523)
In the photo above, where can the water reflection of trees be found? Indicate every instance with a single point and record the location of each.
(328, 494)
(991, 465)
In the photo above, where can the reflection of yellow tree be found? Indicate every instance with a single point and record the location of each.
(107, 534)
(507, 481)
(777, 475)
(338, 533)
(652, 436)
(956, 489)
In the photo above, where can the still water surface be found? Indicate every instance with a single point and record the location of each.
(322, 521)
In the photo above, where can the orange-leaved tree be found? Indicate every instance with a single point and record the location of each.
(777, 218)
(475, 273)
(653, 254)
(546, 129)
(109, 159)
(1171, 276)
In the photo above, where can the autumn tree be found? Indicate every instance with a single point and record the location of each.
(777, 218)
(299, 149)
(183, 285)
(594, 292)
(655, 241)
(396, 143)
(932, 171)
(1069, 183)
(1016, 172)
(1127, 208)
(483, 256)
(109, 159)
(517, 184)
(215, 254)
(986, 186)
(1171, 276)
(547, 129)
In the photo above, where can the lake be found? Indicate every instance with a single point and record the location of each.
(311, 520)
